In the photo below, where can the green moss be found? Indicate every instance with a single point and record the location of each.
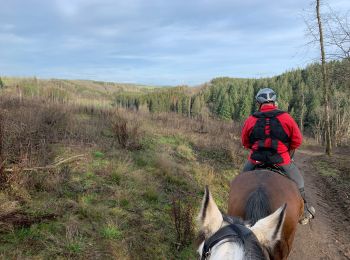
(98, 154)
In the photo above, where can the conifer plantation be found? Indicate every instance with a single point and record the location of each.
(299, 92)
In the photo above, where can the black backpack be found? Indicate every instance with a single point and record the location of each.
(265, 154)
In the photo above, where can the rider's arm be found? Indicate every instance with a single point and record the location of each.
(247, 128)
(295, 135)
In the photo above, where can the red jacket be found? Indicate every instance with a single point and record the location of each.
(289, 126)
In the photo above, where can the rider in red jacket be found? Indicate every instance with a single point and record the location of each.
(289, 126)
(272, 136)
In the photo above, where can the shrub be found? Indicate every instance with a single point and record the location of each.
(1, 84)
(182, 215)
(126, 133)
(29, 128)
(185, 152)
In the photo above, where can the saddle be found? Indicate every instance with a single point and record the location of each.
(271, 167)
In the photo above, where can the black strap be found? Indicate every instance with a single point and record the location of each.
(276, 134)
(228, 233)
(268, 114)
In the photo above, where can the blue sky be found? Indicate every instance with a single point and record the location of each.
(161, 42)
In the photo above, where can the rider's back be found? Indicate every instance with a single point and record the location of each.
(288, 125)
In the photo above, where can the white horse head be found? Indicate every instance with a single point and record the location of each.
(231, 238)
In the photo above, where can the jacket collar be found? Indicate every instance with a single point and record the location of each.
(267, 107)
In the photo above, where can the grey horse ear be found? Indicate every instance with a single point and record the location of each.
(210, 217)
(269, 229)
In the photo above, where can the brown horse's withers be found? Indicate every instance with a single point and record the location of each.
(256, 194)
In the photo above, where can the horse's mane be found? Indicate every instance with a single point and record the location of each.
(257, 206)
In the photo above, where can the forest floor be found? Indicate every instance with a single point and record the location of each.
(327, 187)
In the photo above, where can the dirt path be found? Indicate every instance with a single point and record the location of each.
(329, 235)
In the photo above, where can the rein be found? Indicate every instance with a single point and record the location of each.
(229, 233)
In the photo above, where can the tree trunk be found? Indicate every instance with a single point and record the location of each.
(302, 112)
(325, 84)
(2, 160)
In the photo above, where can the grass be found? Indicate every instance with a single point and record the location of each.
(112, 201)
(326, 169)
(151, 195)
(336, 166)
(111, 232)
(98, 154)
(116, 178)
(185, 152)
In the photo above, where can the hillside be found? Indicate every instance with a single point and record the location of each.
(225, 98)
(93, 170)
(298, 92)
(83, 183)
(73, 91)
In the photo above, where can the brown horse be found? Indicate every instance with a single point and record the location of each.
(256, 194)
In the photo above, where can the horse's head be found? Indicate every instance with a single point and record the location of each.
(231, 238)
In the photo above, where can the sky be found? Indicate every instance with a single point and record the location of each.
(154, 42)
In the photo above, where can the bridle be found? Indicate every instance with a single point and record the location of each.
(230, 233)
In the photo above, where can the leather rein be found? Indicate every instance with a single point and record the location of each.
(229, 233)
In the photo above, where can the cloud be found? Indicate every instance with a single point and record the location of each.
(153, 41)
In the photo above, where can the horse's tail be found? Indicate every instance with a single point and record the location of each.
(257, 206)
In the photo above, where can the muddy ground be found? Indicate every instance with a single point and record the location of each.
(328, 237)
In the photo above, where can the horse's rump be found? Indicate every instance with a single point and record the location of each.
(256, 194)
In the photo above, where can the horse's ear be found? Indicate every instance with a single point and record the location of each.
(210, 217)
(268, 230)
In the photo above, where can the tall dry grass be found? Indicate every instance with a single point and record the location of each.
(34, 130)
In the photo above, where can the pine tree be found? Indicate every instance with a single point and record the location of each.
(196, 106)
(225, 109)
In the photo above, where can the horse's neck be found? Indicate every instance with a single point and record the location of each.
(226, 250)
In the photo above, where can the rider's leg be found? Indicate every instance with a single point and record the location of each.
(249, 166)
(293, 173)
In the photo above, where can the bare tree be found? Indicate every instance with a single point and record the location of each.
(325, 83)
(337, 34)
(303, 107)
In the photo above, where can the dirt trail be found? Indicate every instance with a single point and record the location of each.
(329, 235)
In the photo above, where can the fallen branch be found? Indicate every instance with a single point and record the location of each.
(48, 167)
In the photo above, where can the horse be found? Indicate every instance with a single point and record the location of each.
(263, 212)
